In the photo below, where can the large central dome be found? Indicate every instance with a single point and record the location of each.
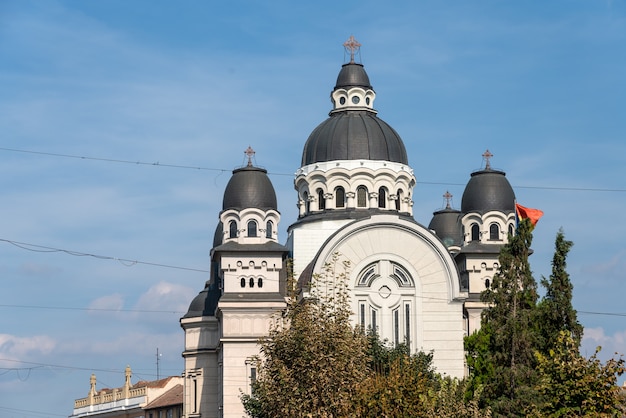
(353, 131)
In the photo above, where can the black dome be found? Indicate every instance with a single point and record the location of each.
(352, 75)
(218, 236)
(354, 135)
(249, 187)
(447, 225)
(205, 303)
(488, 190)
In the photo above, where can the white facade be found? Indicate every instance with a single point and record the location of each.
(354, 194)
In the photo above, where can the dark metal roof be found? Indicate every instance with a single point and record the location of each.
(488, 190)
(354, 135)
(206, 302)
(253, 297)
(249, 187)
(218, 236)
(265, 247)
(447, 226)
(352, 75)
(476, 247)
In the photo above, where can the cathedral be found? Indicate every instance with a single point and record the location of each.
(412, 283)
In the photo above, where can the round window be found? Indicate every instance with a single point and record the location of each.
(356, 99)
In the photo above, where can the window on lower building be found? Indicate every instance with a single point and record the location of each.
(374, 322)
(382, 197)
(396, 327)
(252, 229)
(361, 197)
(407, 324)
(494, 232)
(320, 199)
(340, 197)
(307, 203)
(475, 232)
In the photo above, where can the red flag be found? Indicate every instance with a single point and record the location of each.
(528, 213)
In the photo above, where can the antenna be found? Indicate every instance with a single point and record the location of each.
(158, 359)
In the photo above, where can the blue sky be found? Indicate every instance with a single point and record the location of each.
(542, 85)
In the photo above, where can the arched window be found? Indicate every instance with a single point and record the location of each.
(307, 203)
(399, 200)
(340, 197)
(475, 232)
(232, 229)
(382, 197)
(494, 232)
(252, 229)
(269, 229)
(511, 230)
(260, 282)
(361, 197)
(251, 281)
(243, 282)
(320, 199)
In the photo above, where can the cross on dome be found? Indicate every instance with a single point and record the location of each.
(448, 196)
(353, 46)
(249, 153)
(487, 155)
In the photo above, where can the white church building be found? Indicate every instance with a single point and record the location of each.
(412, 283)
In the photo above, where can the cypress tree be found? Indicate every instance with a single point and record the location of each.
(555, 311)
(501, 354)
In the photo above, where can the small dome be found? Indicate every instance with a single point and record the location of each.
(249, 187)
(488, 190)
(218, 236)
(354, 135)
(447, 226)
(205, 303)
(352, 75)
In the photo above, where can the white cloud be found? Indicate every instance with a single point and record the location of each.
(610, 343)
(114, 302)
(166, 296)
(19, 348)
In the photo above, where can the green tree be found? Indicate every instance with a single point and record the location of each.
(572, 385)
(314, 361)
(555, 311)
(501, 354)
(403, 385)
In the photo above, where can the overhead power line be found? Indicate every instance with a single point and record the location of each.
(68, 308)
(124, 261)
(224, 170)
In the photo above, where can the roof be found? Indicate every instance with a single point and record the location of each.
(249, 187)
(488, 190)
(172, 397)
(352, 74)
(354, 135)
(236, 247)
(355, 132)
(205, 303)
(447, 226)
